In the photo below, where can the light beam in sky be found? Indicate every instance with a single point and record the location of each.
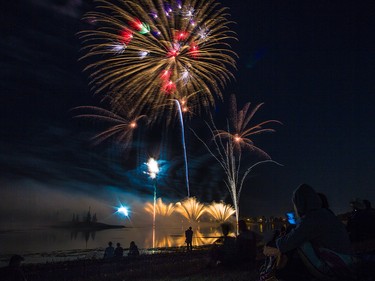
(184, 147)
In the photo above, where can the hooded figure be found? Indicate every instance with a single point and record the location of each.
(317, 225)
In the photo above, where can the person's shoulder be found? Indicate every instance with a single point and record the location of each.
(319, 213)
(322, 217)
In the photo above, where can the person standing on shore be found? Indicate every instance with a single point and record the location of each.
(189, 239)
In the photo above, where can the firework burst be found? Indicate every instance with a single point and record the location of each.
(240, 133)
(153, 51)
(119, 125)
(228, 149)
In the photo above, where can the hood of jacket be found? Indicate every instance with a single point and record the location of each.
(306, 199)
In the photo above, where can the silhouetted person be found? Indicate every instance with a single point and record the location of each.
(318, 229)
(371, 217)
(358, 223)
(119, 251)
(189, 238)
(246, 244)
(361, 223)
(14, 272)
(324, 200)
(109, 251)
(368, 206)
(224, 253)
(133, 250)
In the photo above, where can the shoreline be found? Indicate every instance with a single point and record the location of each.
(166, 264)
(60, 256)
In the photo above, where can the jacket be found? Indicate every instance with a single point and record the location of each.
(318, 225)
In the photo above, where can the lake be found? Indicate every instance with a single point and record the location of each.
(46, 244)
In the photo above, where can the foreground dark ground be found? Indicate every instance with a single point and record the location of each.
(170, 264)
(176, 265)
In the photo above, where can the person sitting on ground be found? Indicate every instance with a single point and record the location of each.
(133, 250)
(14, 272)
(368, 206)
(319, 235)
(370, 213)
(245, 244)
(358, 225)
(109, 251)
(119, 251)
(224, 252)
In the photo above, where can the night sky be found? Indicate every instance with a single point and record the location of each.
(311, 63)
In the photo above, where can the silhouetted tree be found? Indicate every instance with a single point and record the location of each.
(88, 217)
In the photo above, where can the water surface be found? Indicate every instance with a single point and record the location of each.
(47, 244)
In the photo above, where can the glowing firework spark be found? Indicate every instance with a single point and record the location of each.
(229, 154)
(161, 208)
(240, 132)
(190, 208)
(220, 212)
(121, 124)
(133, 42)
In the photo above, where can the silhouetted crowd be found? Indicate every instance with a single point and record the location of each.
(111, 253)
